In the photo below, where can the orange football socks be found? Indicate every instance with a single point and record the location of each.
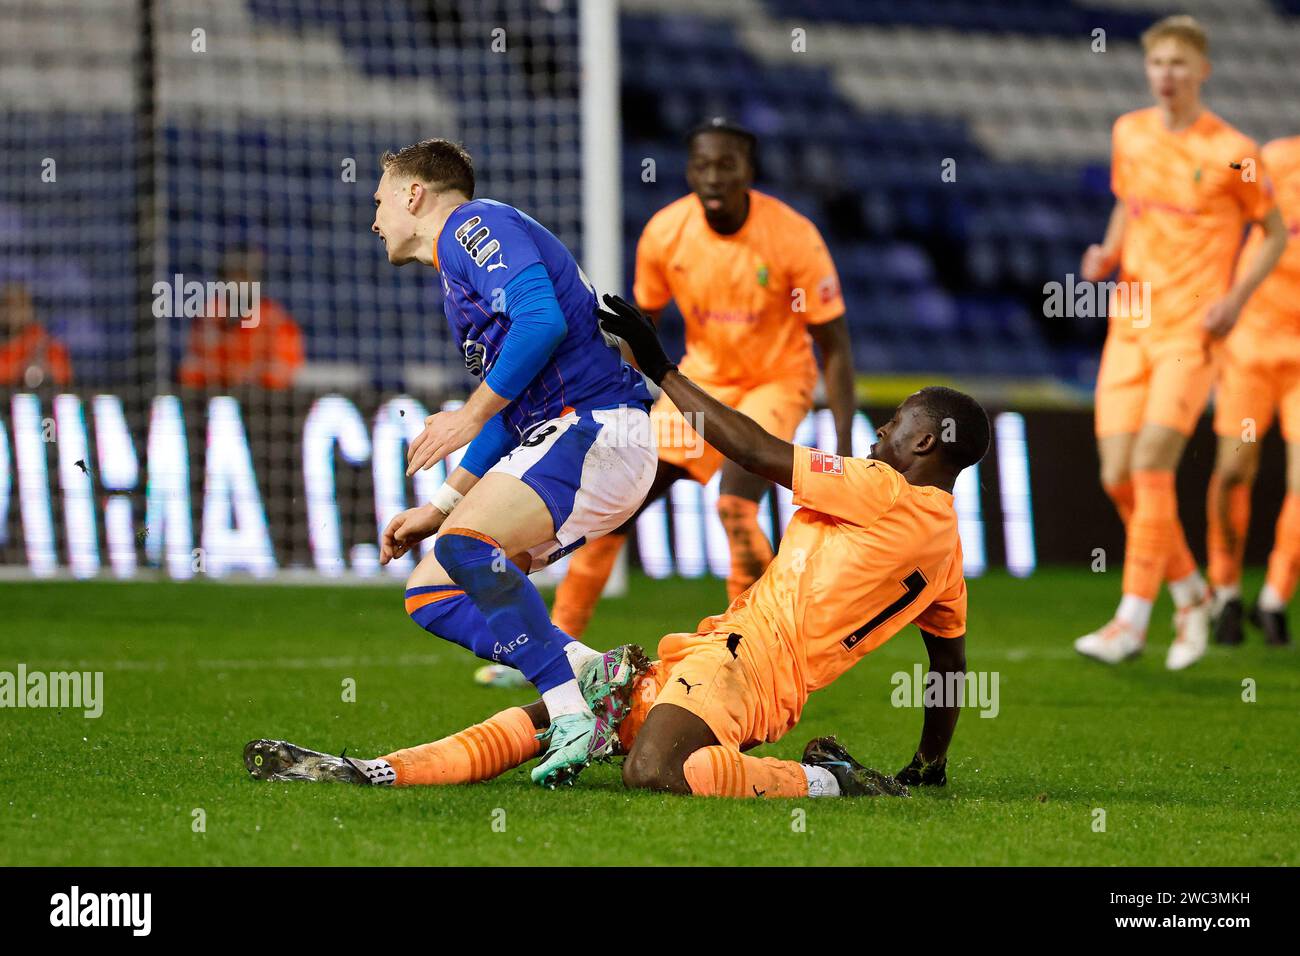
(1284, 562)
(1153, 533)
(1228, 516)
(751, 552)
(481, 752)
(577, 594)
(1181, 562)
(1121, 494)
(723, 772)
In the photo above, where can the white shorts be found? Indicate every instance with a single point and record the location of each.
(592, 468)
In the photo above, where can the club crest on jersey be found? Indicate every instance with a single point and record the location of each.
(472, 236)
(822, 463)
(475, 356)
(763, 276)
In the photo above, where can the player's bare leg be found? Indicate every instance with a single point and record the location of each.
(751, 552)
(668, 737)
(1227, 509)
(591, 565)
(1269, 612)
(1116, 455)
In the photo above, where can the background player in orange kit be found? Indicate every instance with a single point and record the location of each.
(1260, 377)
(756, 288)
(874, 547)
(1186, 184)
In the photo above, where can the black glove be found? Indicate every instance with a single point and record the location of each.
(634, 327)
(918, 772)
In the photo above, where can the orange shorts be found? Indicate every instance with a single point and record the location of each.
(1145, 381)
(779, 406)
(708, 675)
(1260, 377)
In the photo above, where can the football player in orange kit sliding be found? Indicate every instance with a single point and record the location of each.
(756, 288)
(1260, 378)
(873, 548)
(1186, 185)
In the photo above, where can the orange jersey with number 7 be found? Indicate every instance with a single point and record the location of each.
(866, 554)
(746, 298)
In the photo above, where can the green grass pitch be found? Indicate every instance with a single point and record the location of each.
(1186, 771)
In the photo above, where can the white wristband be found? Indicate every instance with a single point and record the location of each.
(446, 498)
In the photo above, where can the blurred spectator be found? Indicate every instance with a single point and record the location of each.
(29, 356)
(263, 348)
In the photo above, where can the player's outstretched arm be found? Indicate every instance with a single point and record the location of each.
(929, 763)
(737, 436)
(837, 372)
(733, 433)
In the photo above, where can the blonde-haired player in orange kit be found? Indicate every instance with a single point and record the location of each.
(1186, 185)
(873, 548)
(1260, 378)
(756, 288)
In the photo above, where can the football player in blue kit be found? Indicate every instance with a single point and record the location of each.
(560, 445)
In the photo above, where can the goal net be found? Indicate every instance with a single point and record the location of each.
(209, 365)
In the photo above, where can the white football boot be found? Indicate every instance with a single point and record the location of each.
(1115, 642)
(1191, 635)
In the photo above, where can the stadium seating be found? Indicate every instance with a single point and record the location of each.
(855, 125)
(857, 120)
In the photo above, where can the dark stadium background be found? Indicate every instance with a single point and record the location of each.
(168, 158)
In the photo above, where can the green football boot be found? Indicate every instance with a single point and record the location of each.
(573, 741)
(606, 681)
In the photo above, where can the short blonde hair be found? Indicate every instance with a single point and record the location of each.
(1179, 27)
